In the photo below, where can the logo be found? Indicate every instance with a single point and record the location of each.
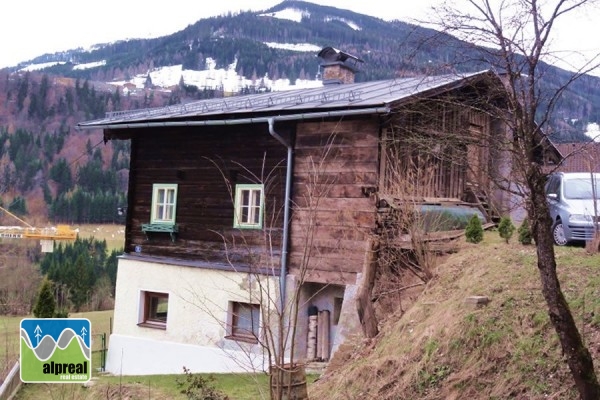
(55, 350)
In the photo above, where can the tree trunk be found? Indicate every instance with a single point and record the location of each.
(577, 355)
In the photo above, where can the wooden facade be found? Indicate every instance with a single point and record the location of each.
(335, 176)
(205, 165)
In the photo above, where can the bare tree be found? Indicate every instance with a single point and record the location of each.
(278, 308)
(516, 35)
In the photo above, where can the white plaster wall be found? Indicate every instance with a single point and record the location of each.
(196, 323)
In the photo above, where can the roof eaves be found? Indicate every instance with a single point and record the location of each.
(237, 121)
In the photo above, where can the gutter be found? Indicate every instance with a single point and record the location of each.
(240, 121)
(286, 212)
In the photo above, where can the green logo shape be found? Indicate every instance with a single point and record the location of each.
(56, 350)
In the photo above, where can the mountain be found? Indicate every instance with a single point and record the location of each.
(47, 167)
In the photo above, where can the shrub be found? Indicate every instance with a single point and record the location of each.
(474, 230)
(196, 387)
(506, 228)
(524, 232)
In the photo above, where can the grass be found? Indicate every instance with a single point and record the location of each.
(441, 347)
(113, 234)
(157, 387)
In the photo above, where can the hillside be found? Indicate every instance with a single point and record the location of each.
(442, 348)
(48, 169)
(281, 43)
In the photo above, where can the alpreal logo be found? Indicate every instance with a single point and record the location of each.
(55, 350)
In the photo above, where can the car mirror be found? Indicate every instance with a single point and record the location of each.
(553, 196)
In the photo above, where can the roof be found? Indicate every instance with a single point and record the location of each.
(365, 97)
(579, 157)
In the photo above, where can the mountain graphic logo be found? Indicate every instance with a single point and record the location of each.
(56, 350)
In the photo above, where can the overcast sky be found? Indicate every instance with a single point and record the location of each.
(30, 29)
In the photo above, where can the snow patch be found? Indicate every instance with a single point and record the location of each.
(225, 79)
(90, 65)
(593, 131)
(36, 67)
(292, 14)
(302, 47)
(351, 24)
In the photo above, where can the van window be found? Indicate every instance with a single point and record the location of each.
(582, 188)
(553, 185)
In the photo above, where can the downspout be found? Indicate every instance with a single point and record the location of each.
(286, 211)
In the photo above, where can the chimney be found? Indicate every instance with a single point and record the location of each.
(338, 67)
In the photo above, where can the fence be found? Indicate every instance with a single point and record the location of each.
(11, 384)
(99, 351)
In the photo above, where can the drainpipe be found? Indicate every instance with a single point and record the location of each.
(286, 210)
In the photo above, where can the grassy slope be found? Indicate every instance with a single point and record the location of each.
(113, 234)
(442, 348)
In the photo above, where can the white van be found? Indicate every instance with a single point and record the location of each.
(575, 213)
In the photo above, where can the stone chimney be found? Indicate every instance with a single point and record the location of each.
(338, 67)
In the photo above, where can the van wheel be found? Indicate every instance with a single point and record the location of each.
(558, 234)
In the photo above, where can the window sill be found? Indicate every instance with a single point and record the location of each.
(171, 229)
(154, 325)
(247, 339)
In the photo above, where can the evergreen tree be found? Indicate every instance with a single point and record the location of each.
(524, 232)
(474, 230)
(45, 305)
(506, 228)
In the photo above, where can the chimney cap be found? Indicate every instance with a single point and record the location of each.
(331, 54)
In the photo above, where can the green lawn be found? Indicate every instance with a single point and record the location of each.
(157, 387)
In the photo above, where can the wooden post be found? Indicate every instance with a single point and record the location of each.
(364, 306)
(311, 348)
(324, 335)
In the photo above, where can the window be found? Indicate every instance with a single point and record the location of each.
(244, 319)
(154, 310)
(248, 206)
(164, 198)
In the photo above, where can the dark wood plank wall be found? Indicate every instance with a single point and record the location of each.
(335, 166)
(200, 161)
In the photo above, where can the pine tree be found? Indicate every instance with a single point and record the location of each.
(474, 230)
(506, 228)
(524, 232)
(45, 304)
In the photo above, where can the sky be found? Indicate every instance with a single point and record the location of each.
(58, 25)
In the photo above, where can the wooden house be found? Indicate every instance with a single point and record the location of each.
(239, 204)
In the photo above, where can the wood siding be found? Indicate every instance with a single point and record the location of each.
(436, 151)
(335, 170)
(206, 163)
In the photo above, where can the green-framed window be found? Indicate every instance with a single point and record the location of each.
(249, 205)
(164, 203)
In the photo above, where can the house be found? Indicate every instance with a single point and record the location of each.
(579, 157)
(237, 205)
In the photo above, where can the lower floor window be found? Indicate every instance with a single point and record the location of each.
(155, 308)
(244, 320)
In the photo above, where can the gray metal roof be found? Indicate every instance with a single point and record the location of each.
(351, 98)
